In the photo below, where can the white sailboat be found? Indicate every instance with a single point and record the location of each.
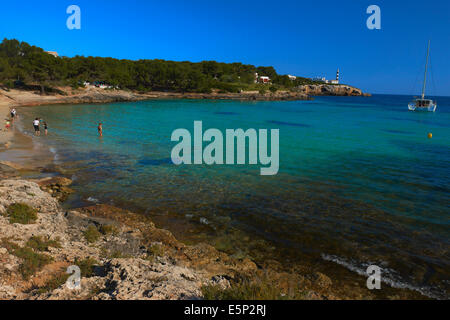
(423, 104)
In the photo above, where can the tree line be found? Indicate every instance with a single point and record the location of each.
(21, 62)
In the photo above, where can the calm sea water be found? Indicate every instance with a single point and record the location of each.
(360, 182)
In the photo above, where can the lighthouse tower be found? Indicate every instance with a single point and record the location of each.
(337, 75)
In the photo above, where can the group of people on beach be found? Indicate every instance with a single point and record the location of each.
(37, 130)
(9, 122)
(37, 124)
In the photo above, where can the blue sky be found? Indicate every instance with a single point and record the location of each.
(306, 38)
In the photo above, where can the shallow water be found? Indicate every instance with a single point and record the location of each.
(359, 180)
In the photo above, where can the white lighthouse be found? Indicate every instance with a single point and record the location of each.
(337, 75)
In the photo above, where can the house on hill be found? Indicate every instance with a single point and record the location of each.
(53, 53)
(261, 79)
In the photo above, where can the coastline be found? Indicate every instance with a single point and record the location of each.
(17, 98)
(189, 267)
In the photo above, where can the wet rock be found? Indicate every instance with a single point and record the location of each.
(321, 280)
(7, 172)
(57, 187)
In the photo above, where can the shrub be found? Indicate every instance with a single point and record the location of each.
(86, 266)
(9, 84)
(154, 251)
(273, 89)
(21, 213)
(257, 289)
(107, 229)
(31, 261)
(52, 284)
(39, 244)
(91, 234)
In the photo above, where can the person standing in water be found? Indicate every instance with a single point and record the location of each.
(45, 128)
(100, 129)
(37, 132)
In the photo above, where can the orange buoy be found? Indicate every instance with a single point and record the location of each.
(430, 135)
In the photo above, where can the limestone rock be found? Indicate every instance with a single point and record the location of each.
(14, 191)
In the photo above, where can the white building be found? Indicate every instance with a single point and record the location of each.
(53, 53)
(261, 79)
(323, 79)
(292, 77)
(319, 79)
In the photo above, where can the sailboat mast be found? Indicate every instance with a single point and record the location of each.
(426, 70)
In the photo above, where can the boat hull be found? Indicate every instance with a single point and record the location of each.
(413, 107)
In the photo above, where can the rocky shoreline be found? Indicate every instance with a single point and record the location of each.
(15, 97)
(121, 255)
(124, 256)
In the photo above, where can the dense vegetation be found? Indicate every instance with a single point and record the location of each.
(21, 62)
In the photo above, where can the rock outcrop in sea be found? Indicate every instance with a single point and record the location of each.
(331, 90)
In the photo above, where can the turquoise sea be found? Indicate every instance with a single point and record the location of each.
(359, 183)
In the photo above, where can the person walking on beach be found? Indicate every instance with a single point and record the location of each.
(45, 128)
(100, 129)
(13, 114)
(37, 132)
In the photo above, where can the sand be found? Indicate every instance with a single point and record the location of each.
(5, 135)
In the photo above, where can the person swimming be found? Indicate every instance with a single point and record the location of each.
(100, 129)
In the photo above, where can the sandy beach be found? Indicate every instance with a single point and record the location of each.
(5, 135)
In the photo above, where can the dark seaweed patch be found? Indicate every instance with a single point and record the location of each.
(397, 131)
(292, 124)
(155, 162)
(226, 113)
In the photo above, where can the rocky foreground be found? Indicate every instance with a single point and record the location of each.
(121, 255)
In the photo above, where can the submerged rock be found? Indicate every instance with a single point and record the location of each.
(57, 187)
(7, 172)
